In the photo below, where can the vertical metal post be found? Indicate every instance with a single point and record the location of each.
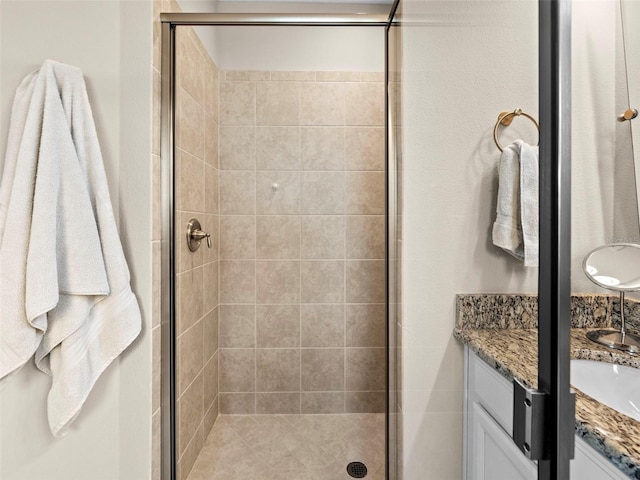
(391, 198)
(168, 293)
(386, 250)
(555, 235)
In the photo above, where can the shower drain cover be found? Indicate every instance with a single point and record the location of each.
(357, 469)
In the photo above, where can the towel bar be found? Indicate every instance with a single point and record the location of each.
(505, 118)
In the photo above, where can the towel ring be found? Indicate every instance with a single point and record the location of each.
(505, 119)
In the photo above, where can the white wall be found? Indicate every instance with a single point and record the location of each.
(111, 42)
(356, 49)
(292, 48)
(465, 62)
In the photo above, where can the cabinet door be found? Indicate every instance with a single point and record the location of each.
(494, 456)
(590, 465)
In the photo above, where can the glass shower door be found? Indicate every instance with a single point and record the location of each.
(451, 75)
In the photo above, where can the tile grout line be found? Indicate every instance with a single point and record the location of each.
(219, 235)
(344, 253)
(300, 245)
(255, 254)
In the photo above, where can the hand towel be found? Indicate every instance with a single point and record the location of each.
(516, 227)
(65, 291)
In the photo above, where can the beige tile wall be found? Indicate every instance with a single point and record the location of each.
(196, 195)
(302, 273)
(197, 279)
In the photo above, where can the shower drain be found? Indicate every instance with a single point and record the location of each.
(357, 470)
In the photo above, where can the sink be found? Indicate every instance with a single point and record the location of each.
(617, 386)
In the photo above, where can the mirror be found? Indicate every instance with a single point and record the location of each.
(615, 267)
(629, 13)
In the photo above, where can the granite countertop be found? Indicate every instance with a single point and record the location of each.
(513, 353)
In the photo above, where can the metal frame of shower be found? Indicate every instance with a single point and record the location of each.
(554, 274)
(168, 288)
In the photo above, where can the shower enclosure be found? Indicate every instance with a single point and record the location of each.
(278, 299)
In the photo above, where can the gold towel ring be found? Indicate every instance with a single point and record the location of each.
(505, 119)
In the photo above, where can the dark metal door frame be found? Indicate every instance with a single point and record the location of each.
(554, 276)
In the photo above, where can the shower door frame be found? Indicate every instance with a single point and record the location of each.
(554, 274)
(169, 22)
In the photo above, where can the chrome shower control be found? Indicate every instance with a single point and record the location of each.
(195, 235)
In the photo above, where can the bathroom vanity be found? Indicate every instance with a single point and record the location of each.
(500, 342)
(490, 453)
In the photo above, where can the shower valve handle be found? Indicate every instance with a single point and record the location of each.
(195, 235)
(199, 235)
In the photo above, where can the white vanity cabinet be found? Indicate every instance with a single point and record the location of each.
(489, 451)
(493, 454)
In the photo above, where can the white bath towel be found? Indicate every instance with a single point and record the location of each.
(64, 282)
(516, 227)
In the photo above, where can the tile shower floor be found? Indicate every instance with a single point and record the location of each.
(288, 447)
